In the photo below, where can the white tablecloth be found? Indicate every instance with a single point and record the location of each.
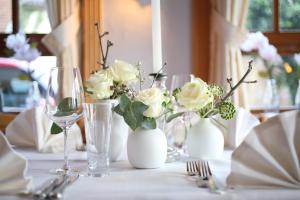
(125, 182)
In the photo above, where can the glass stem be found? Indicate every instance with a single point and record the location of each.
(66, 162)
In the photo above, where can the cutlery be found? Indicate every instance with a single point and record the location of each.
(48, 186)
(206, 177)
(57, 193)
(192, 168)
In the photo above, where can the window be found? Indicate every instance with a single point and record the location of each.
(16, 77)
(279, 21)
(28, 16)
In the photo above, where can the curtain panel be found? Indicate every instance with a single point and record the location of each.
(64, 41)
(228, 19)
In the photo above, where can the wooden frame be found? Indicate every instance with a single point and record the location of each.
(201, 11)
(91, 13)
(285, 42)
(33, 37)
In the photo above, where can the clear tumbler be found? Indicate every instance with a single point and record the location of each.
(98, 119)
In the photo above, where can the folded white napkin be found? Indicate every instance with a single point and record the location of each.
(12, 170)
(270, 155)
(32, 129)
(239, 127)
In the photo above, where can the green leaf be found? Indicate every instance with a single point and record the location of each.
(129, 118)
(148, 123)
(118, 110)
(124, 101)
(133, 114)
(55, 129)
(67, 105)
(173, 116)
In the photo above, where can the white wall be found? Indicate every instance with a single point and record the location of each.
(129, 24)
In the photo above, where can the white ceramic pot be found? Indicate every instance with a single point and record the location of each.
(147, 149)
(205, 140)
(118, 136)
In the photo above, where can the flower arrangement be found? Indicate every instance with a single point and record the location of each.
(291, 74)
(139, 109)
(260, 43)
(110, 82)
(207, 100)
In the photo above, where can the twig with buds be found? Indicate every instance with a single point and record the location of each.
(232, 88)
(103, 63)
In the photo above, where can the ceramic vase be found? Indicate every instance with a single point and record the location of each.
(147, 149)
(205, 140)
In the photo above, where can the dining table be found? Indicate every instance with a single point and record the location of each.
(125, 182)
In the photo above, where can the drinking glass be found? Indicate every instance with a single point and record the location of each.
(178, 127)
(64, 100)
(178, 80)
(98, 119)
(271, 101)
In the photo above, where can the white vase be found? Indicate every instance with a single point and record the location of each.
(118, 136)
(147, 149)
(205, 140)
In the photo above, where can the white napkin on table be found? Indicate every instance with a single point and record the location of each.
(270, 155)
(12, 170)
(239, 127)
(32, 129)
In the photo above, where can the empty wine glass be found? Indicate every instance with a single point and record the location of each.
(64, 100)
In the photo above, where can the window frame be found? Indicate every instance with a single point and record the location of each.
(286, 42)
(33, 37)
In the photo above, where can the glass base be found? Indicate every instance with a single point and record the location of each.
(62, 171)
(173, 154)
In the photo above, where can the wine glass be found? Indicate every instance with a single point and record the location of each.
(64, 100)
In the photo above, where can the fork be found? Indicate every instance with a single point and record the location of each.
(192, 168)
(206, 178)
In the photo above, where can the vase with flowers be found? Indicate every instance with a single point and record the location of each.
(147, 144)
(204, 139)
(19, 48)
(259, 43)
(108, 84)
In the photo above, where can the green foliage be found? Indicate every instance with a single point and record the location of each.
(132, 112)
(173, 116)
(175, 92)
(291, 79)
(226, 110)
(55, 129)
(203, 111)
(289, 15)
(64, 108)
(216, 90)
(260, 15)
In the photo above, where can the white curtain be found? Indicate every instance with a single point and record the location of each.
(227, 32)
(65, 38)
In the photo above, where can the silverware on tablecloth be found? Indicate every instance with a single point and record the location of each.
(42, 191)
(192, 168)
(57, 192)
(205, 177)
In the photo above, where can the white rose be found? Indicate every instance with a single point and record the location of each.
(194, 95)
(123, 72)
(99, 84)
(152, 97)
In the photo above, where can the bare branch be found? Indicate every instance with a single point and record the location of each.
(238, 83)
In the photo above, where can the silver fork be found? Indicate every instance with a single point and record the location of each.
(192, 168)
(206, 178)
